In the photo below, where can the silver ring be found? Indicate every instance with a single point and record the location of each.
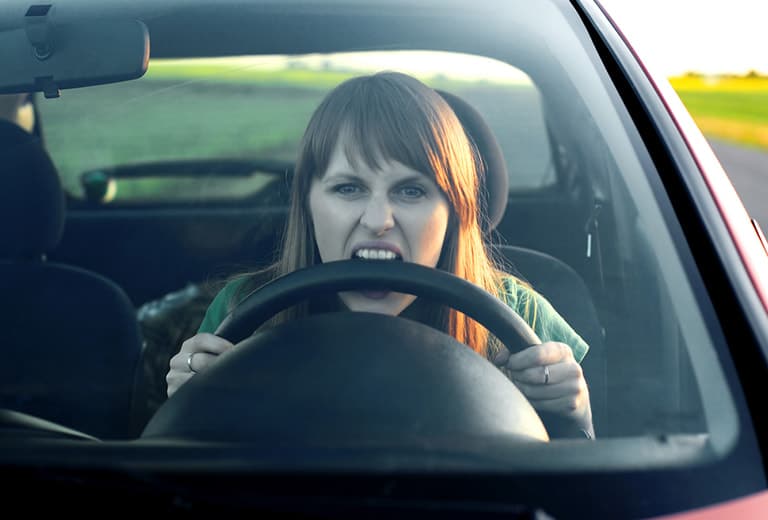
(189, 362)
(546, 374)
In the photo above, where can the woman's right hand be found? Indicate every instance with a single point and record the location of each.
(553, 381)
(196, 355)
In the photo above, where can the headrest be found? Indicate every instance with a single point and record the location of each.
(494, 189)
(31, 198)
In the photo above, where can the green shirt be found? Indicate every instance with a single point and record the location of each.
(530, 305)
(541, 316)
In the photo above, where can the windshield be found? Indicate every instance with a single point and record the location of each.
(190, 188)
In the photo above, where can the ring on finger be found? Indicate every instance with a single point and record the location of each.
(546, 374)
(189, 362)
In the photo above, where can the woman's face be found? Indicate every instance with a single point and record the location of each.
(391, 214)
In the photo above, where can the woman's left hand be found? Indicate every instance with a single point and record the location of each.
(552, 380)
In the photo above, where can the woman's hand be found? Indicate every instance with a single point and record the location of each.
(196, 355)
(552, 380)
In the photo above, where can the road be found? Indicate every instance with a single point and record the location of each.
(748, 170)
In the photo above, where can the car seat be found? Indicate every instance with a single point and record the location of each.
(71, 341)
(551, 277)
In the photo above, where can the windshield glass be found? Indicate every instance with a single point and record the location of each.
(216, 172)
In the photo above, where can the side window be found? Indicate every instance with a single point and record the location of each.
(187, 131)
(178, 135)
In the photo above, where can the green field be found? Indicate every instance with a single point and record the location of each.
(290, 77)
(206, 109)
(202, 111)
(730, 108)
(156, 120)
(733, 108)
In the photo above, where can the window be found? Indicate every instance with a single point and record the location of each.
(204, 114)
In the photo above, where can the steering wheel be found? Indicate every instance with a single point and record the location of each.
(405, 277)
(350, 377)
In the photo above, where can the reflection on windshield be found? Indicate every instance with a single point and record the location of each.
(207, 179)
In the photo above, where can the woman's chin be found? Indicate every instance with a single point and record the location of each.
(379, 302)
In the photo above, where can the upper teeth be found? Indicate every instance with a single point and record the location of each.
(375, 254)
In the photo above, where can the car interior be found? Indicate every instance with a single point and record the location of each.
(563, 216)
(166, 260)
(147, 159)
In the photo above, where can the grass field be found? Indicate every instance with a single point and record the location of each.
(731, 108)
(183, 111)
(245, 75)
(188, 112)
(160, 120)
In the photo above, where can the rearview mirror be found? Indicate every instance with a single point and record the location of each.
(45, 57)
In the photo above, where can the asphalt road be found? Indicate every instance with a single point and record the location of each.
(748, 170)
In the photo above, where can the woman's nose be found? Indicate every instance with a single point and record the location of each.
(377, 215)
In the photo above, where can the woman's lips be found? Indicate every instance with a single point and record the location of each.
(376, 251)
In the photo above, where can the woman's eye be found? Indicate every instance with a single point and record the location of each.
(412, 192)
(347, 189)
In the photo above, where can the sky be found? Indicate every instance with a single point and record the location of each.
(707, 36)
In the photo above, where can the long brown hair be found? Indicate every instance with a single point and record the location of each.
(394, 116)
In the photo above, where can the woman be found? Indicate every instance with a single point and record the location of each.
(386, 172)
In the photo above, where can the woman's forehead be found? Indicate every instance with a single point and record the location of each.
(368, 151)
(349, 158)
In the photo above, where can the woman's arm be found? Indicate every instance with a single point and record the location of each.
(549, 374)
(204, 348)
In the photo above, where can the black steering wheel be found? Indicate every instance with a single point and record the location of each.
(405, 277)
(352, 377)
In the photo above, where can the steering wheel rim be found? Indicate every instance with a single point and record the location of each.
(403, 277)
(388, 380)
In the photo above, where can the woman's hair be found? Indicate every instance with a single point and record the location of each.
(394, 117)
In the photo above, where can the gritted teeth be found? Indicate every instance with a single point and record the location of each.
(369, 253)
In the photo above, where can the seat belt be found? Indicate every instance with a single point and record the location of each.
(593, 253)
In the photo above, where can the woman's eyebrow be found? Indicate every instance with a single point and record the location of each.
(411, 177)
(405, 178)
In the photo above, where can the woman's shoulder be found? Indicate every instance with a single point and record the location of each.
(514, 290)
(232, 288)
(539, 313)
(224, 301)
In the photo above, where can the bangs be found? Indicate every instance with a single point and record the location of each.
(379, 121)
(379, 130)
